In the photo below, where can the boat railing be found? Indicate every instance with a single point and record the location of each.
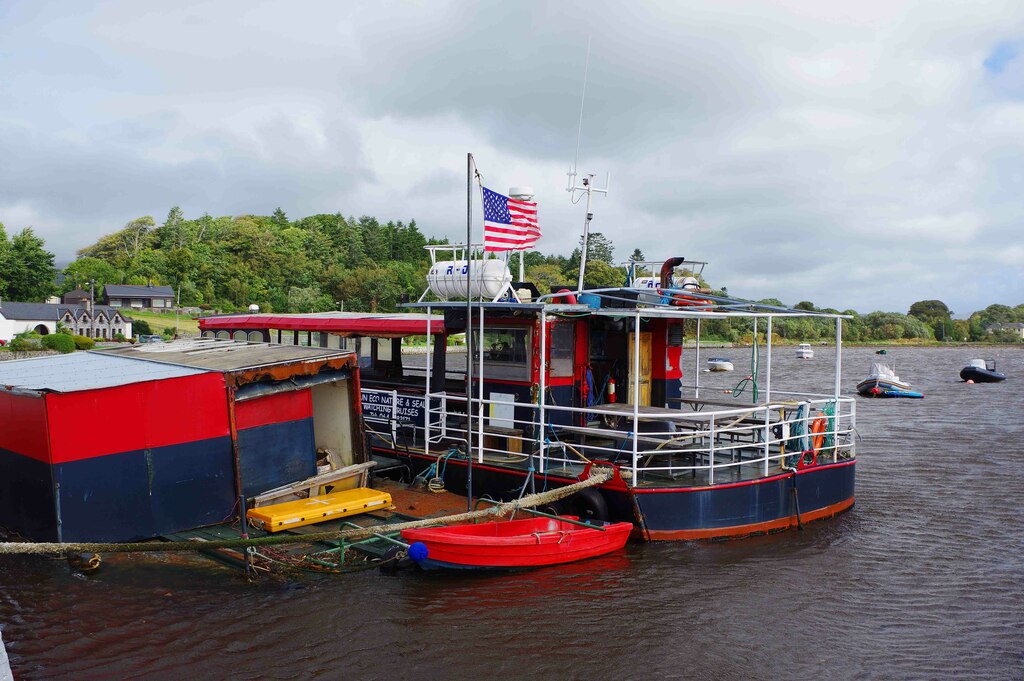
(653, 445)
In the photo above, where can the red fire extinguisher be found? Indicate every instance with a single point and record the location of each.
(611, 391)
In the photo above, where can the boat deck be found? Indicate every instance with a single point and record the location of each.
(409, 504)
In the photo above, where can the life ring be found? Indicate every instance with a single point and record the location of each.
(689, 301)
(818, 431)
(565, 293)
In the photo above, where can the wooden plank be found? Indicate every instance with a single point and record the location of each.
(360, 470)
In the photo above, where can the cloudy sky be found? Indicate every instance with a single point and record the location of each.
(859, 155)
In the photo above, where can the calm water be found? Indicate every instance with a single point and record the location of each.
(924, 578)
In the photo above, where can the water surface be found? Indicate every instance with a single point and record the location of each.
(924, 578)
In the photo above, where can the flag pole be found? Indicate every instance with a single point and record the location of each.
(469, 333)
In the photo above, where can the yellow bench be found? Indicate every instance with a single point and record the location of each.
(276, 517)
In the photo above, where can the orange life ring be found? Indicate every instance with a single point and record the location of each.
(683, 300)
(818, 430)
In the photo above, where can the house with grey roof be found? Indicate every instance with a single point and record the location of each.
(100, 322)
(1016, 328)
(138, 297)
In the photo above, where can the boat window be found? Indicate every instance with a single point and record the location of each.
(563, 339)
(506, 351)
(383, 349)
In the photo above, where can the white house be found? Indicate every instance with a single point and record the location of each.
(102, 322)
(1017, 328)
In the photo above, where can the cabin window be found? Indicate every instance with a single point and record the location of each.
(137, 302)
(563, 341)
(506, 351)
(384, 350)
(158, 302)
(115, 302)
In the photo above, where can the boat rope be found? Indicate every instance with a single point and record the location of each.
(597, 476)
(755, 360)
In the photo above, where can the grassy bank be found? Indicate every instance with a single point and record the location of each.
(158, 321)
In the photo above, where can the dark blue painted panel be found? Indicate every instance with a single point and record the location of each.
(276, 454)
(664, 391)
(746, 504)
(26, 497)
(145, 493)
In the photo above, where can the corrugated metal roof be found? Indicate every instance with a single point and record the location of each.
(221, 354)
(83, 371)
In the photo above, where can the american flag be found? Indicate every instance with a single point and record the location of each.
(509, 224)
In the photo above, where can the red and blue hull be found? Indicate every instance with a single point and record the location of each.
(733, 510)
(722, 511)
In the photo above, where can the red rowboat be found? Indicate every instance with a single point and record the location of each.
(531, 542)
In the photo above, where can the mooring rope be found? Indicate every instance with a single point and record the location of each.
(597, 476)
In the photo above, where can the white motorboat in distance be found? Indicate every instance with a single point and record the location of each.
(720, 364)
(804, 351)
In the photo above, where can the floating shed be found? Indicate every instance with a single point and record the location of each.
(140, 441)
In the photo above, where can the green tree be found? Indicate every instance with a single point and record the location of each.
(79, 273)
(5, 261)
(30, 272)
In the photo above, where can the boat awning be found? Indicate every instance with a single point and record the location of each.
(338, 323)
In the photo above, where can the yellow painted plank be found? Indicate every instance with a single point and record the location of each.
(277, 517)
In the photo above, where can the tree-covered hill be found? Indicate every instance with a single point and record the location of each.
(322, 261)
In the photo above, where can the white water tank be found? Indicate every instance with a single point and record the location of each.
(487, 279)
(646, 282)
(521, 193)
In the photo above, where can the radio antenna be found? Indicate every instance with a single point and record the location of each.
(587, 186)
(583, 99)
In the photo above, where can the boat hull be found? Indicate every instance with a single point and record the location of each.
(722, 511)
(735, 510)
(979, 375)
(529, 543)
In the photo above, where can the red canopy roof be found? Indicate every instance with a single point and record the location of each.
(339, 323)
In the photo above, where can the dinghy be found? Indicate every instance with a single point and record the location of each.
(982, 371)
(883, 382)
(531, 542)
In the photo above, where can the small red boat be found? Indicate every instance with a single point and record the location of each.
(531, 542)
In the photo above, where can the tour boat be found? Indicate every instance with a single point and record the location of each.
(883, 382)
(719, 364)
(982, 371)
(526, 543)
(547, 385)
(804, 351)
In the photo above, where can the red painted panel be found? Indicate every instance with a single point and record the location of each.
(23, 426)
(278, 408)
(137, 416)
(386, 327)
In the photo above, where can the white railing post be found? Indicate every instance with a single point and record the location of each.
(767, 436)
(839, 354)
(696, 367)
(394, 418)
(543, 389)
(711, 450)
(636, 396)
(480, 379)
(768, 365)
(426, 393)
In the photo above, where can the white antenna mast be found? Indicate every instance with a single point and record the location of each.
(587, 185)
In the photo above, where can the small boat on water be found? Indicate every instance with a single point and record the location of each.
(804, 351)
(527, 543)
(883, 382)
(982, 371)
(720, 364)
(883, 351)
